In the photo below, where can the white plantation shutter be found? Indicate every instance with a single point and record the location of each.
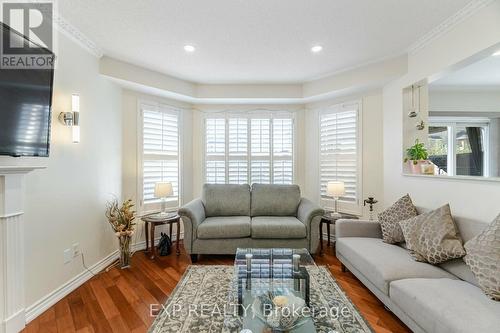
(340, 158)
(160, 150)
(215, 138)
(238, 151)
(249, 148)
(260, 133)
(283, 151)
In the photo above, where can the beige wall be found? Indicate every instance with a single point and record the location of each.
(472, 199)
(65, 202)
(372, 182)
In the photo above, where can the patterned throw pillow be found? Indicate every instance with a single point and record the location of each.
(433, 237)
(483, 258)
(401, 210)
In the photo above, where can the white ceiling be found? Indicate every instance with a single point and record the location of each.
(484, 73)
(255, 41)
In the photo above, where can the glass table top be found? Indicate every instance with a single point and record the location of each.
(263, 276)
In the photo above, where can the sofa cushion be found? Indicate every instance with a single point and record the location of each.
(382, 263)
(226, 200)
(433, 237)
(483, 258)
(402, 209)
(224, 227)
(446, 306)
(458, 268)
(278, 227)
(275, 200)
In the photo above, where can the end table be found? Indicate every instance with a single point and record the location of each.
(329, 220)
(152, 221)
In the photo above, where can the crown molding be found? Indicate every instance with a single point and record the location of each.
(76, 35)
(470, 9)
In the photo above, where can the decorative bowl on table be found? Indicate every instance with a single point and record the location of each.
(281, 313)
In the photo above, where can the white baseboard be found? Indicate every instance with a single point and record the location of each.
(55, 296)
(14, 323)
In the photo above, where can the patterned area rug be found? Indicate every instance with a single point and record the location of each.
(199, 304)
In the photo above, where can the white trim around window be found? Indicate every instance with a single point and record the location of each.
(340, 145)
(158, 153)
(452, 123)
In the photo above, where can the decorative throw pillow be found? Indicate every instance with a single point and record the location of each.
(410, 233)
(401, 210)
(483, 258)
(433, 237)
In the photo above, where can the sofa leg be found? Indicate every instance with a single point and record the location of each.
(343, 268)
(194, 258)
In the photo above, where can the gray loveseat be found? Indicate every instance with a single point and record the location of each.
(427, 298)
(231, 216)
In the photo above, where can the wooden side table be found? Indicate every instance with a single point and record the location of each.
(329, 220)
(152, 221)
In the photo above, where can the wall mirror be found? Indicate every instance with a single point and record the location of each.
(451, 122)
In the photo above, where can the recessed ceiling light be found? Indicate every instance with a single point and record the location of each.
(316, 48)
(496, 54)
(189, 48)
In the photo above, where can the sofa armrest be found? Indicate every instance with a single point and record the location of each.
(308, 210)
(357, 228)
(192, 214)
(310, 214)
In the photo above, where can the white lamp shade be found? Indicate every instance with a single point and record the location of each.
(335, 189)
(163, 190)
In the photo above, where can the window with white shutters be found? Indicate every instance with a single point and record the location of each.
(159, 150)
(282, 151)
(247, 149)
(340, 154)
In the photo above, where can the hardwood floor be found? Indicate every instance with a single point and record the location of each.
(119, 300)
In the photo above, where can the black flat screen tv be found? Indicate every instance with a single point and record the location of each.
(25, 107)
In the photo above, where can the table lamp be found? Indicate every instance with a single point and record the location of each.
(335, 189)
(163, 190)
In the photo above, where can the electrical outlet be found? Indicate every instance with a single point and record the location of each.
(76, 250)
(68, 255)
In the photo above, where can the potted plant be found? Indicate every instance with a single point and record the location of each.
(416, 156)
(121, 218)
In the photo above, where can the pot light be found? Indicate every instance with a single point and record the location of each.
(316, 48)
(189, 48)
(496, 54)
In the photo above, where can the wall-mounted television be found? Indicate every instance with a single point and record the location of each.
(25, 107)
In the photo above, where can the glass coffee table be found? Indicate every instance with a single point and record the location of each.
(271, 289)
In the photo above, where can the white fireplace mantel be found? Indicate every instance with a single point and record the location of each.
(12, 282)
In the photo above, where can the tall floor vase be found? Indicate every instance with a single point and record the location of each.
(124, 243)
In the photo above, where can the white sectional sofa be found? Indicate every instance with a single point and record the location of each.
(427, 298)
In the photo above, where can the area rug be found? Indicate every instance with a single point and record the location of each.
(199, 304)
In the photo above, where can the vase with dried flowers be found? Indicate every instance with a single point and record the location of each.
(121, 218)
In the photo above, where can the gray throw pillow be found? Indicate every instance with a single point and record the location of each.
(402, 209)
(433, 237)
(483, 258)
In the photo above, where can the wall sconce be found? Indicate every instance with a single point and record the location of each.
(72, 118)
